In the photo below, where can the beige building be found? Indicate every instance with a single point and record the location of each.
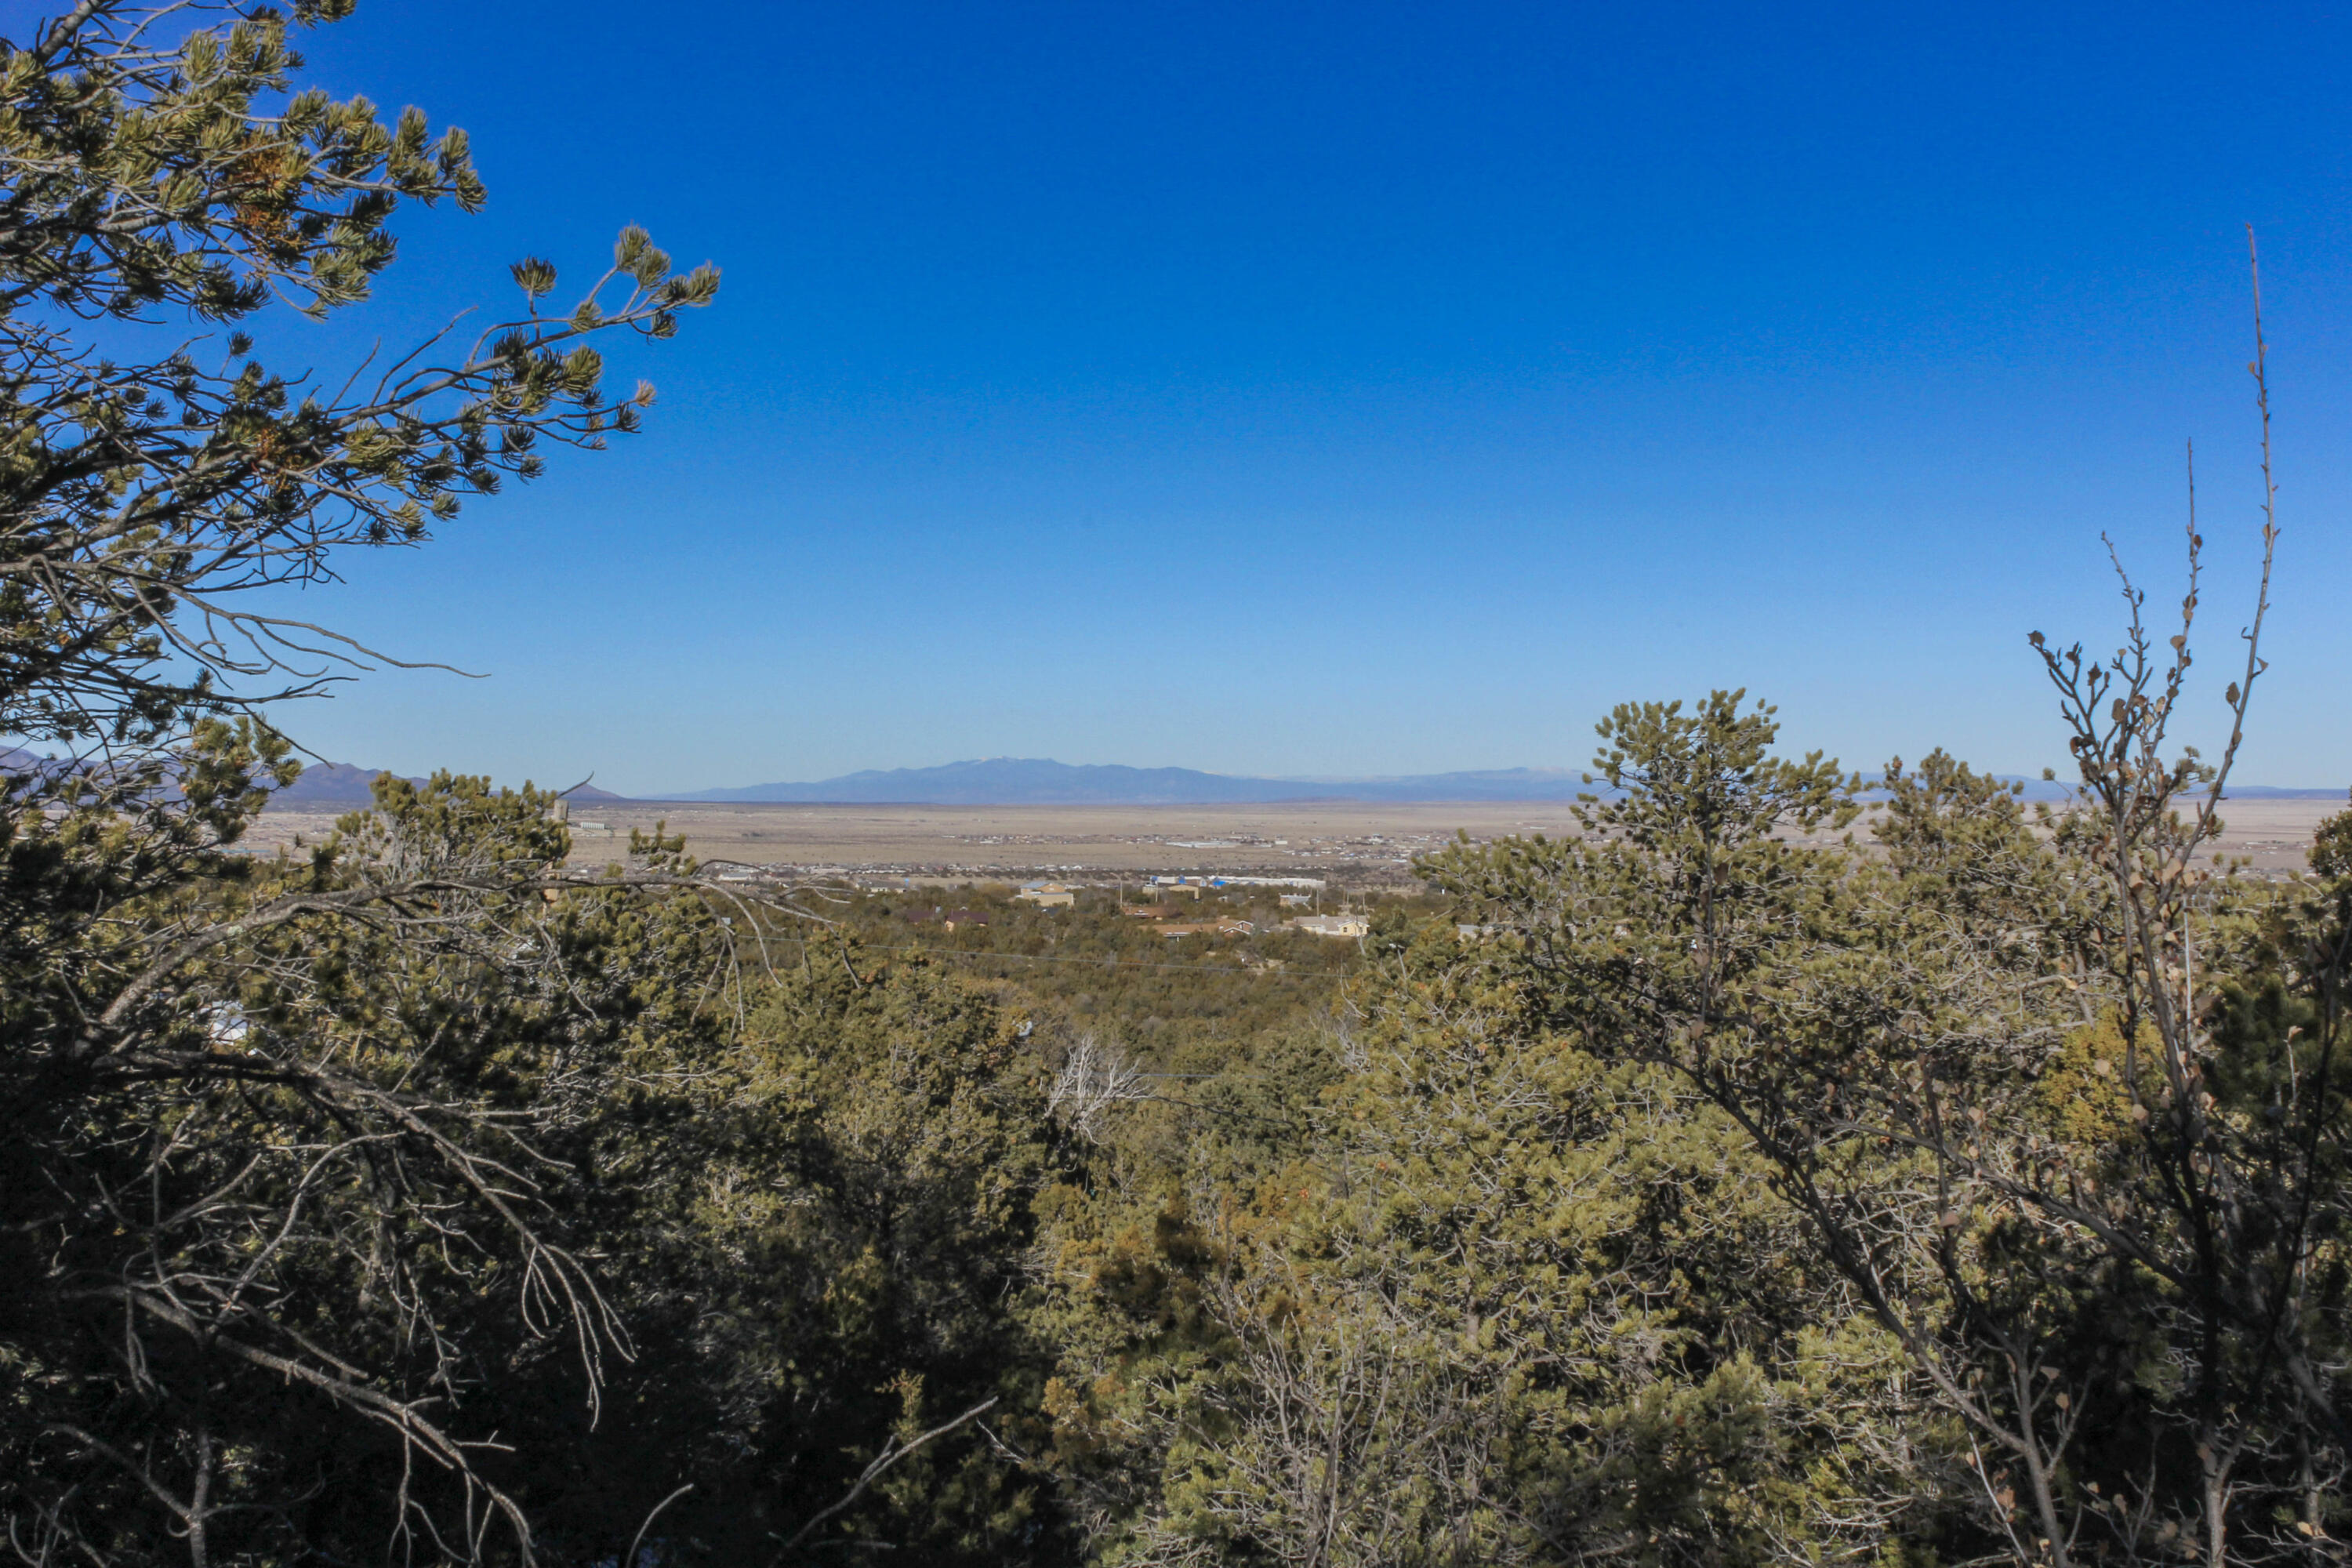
(1333, 925)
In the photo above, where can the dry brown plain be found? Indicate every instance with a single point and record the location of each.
(1348, 841)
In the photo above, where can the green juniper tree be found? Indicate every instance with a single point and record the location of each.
(236, 1221)
(2106, 1241)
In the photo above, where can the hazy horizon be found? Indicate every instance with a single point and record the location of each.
(1566, 784)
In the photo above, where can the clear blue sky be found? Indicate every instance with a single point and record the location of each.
(1362, 388)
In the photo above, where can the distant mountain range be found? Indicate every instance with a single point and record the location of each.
(1037, 780)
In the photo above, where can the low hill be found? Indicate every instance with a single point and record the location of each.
(338, 783)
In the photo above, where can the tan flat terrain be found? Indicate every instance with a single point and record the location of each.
(1348, 841)
(1357, 842)
(2274, 834)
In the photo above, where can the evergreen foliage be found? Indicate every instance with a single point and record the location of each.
(1780, 1171)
